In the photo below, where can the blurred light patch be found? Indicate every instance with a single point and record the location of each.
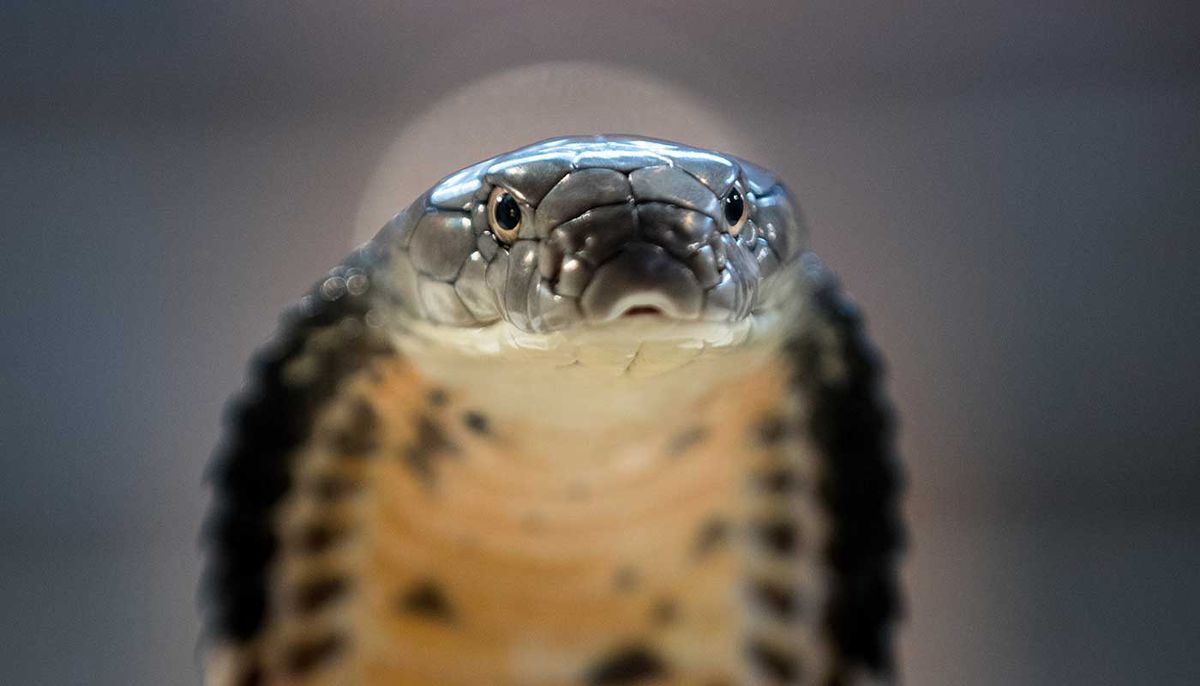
(512, 108)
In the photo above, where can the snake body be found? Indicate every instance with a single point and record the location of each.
(588, 412)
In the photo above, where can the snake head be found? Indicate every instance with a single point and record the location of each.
(581, 231)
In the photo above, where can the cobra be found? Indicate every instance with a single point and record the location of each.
(588, 412)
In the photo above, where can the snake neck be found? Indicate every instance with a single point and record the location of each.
(618, 381)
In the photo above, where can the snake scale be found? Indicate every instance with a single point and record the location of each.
(588, 412)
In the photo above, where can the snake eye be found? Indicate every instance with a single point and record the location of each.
(504, 215)
(735, 210)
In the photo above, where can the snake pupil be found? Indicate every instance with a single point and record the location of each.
(734, 206)
(506, 212)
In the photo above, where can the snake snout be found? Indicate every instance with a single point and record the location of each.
(642, 277)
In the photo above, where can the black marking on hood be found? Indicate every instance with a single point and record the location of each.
(713, 534)
(770, 431)
(477, 422)
(331, 487)
(627, 665)
(687, 439)
(318, 537)
(311, 596)
(774, 662)
(306, 655)
(427, 599)
(779, 481)
(430, 444)
(359, 436)
(781, 601)
(665, 611)
(782, 537)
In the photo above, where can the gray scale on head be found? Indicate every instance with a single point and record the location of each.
(607, 224)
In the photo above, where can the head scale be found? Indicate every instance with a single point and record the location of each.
(580, 231)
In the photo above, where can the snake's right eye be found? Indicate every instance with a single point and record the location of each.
(734, 206)
(504, 215)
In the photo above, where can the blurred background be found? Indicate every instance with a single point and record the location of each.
(1011, 190)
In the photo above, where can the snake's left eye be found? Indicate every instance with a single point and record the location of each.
(735, 209)
(504, 215)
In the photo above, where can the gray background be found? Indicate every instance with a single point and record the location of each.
(1010, 189)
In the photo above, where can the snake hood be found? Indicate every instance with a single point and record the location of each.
(580, 231)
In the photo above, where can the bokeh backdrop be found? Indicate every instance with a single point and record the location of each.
(1010, 188)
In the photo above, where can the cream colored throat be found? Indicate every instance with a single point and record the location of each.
(632, 371)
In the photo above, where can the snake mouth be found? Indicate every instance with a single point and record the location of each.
(642, 310)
